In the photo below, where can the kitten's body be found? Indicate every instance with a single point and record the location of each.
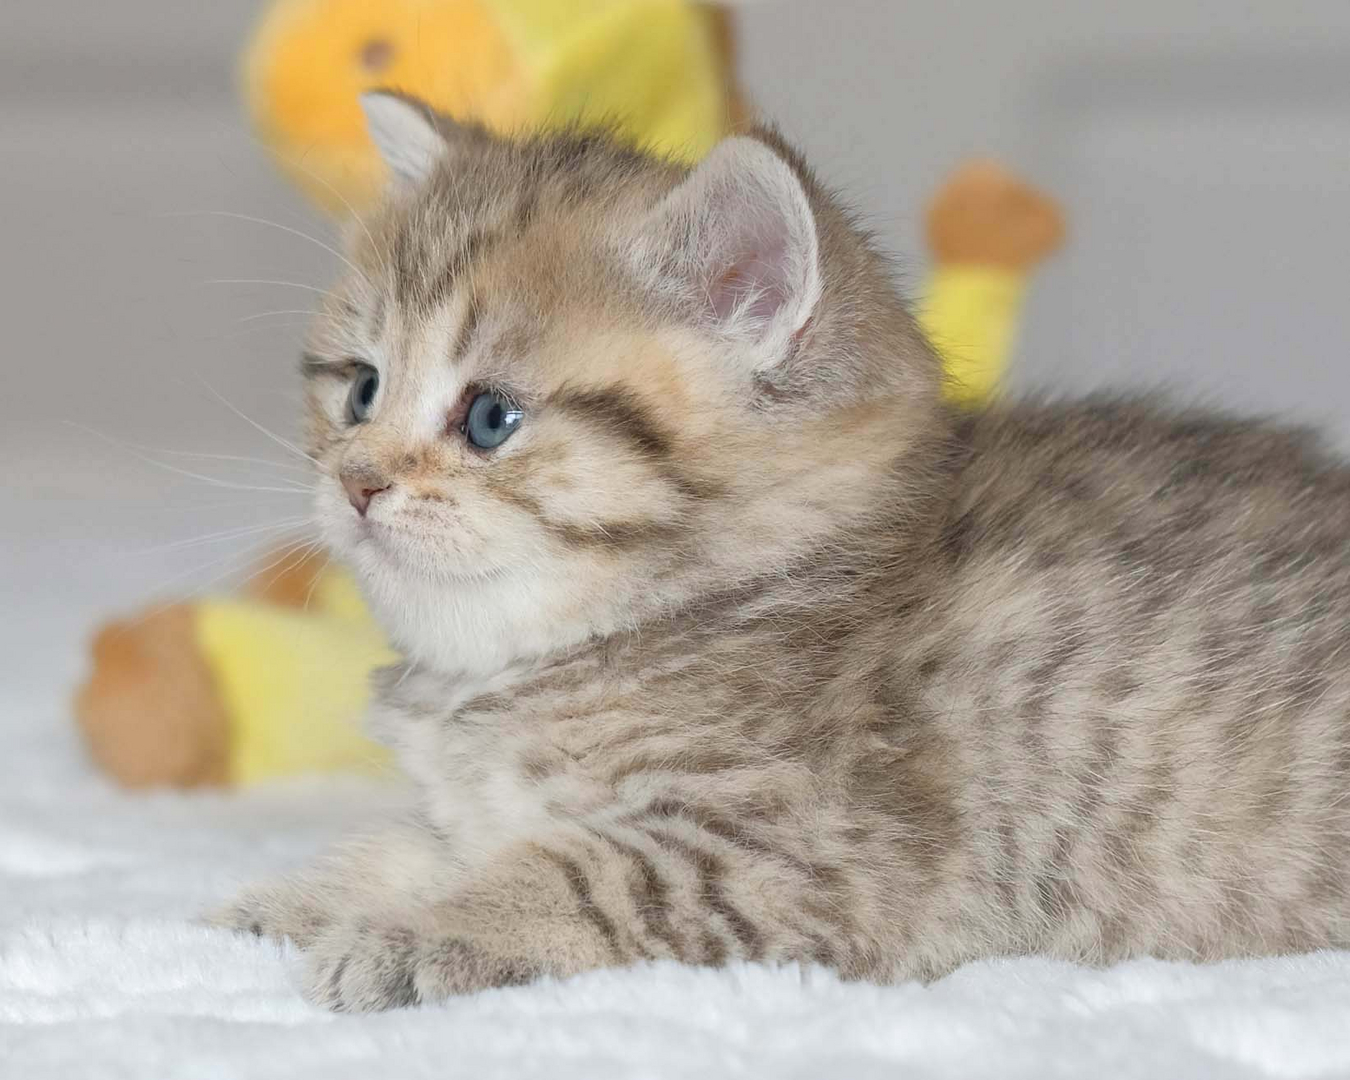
(828, 674)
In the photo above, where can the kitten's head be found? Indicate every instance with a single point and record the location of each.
(567, 386)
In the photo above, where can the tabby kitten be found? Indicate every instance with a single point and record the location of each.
(725, 639)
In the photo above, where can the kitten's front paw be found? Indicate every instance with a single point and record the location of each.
(369, 965)
(281, 912)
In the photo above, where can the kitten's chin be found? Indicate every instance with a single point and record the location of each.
(476, 625)
(451, 616)
(459, 616)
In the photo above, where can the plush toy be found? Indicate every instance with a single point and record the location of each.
(987, 230)
(237, 690)
(272, 683)
(657, 70)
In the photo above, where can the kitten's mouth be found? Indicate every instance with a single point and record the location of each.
(364, 534)
(379, 541)
(372, 533)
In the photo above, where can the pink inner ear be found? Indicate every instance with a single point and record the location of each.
(753, 283)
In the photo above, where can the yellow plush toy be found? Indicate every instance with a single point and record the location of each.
(987, 231)
(658, 70)
(239, 690)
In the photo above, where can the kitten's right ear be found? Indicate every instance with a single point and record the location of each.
(409, 136)
(737, 240)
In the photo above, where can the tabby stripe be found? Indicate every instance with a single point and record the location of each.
(312, 365)
(604, 534)
(711, 872)
(519, 499)
(335, 984)
(467, 328)
(822, 952)
(377, 317)
(714, 949)
(687, 764)
(436, 291)
(827, 881)
(651, 896)
(620, 535)
(523, 216)
(617, 413)
(402, 991)
(580, 885)
(738, 837)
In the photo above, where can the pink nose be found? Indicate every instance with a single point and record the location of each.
(360, 491)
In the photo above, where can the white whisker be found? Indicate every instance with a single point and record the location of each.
(243, 458)
(236, 562)
(327, 562)
(281, 311)
(297, 163)
(230, 457)
(226, 534)
(293, 489)
(265, 281)
(283, 443)
(270, 328)
(305, 551)
(276, 225)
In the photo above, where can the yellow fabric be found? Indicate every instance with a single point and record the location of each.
(648, 66)
(970, 314)
(336, 593)
(294, 685)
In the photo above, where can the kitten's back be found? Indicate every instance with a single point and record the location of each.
(1141, 646)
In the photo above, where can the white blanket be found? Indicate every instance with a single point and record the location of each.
(103, 973)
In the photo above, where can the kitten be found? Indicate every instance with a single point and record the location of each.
(726, 639)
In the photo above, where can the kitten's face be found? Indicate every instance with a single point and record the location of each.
(539, 398)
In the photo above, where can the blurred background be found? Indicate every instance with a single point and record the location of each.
(1201, 150)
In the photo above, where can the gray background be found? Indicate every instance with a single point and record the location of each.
(1202, 150)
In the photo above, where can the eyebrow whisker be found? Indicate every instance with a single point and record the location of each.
(266, 281)
(284, 228)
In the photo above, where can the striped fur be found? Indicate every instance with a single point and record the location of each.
(715, 660)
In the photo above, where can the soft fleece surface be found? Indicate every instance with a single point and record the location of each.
(104, 974)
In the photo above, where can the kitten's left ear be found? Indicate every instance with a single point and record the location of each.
(405, 132)
(739, 237)
(413, 138)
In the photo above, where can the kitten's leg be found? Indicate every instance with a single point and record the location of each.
(593, 898)
(394, 869)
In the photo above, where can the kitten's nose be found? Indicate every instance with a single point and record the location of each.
(361, 488)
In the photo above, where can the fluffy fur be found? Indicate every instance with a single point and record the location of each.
(743, 645)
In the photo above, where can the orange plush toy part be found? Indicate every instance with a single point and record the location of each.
(986, 215)
(151, 712)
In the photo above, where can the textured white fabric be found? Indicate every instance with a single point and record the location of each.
(103, 973)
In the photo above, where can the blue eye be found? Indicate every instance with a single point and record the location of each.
(491, 420)
(362, 395)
